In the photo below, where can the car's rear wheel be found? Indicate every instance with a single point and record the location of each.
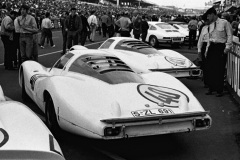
(153, 41)
(25, 96)
(51, 117)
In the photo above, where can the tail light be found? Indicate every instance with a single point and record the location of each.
(199, 123)
(196, 72)
(110, 131)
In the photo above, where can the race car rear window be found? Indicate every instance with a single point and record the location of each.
(107, 44)
(136, 46)
(106, 68)
(164, 26)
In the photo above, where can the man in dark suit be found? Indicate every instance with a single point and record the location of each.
(64, 32)
(73, 26)
(85, 28)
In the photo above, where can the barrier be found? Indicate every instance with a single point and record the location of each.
(233, 70)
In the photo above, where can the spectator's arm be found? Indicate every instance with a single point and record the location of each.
(8, 23)
(33, 27)
(118, 23)
(228, 29)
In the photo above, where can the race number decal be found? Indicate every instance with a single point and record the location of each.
(3, 137)
(34, 78)
(163, 96)
(176, 61)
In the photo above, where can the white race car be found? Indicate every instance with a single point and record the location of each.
(182, 27)
(23, 135)
(95, 94)
(138, 54)
(161, 32)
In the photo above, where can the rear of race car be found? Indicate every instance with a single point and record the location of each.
(155, 125)
(175, 64)
(155, 110)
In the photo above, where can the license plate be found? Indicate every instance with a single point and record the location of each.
(176, 39)
(151, 112)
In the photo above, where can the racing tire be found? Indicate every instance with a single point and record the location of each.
(51, 117)
(25, 96)
(153, 41)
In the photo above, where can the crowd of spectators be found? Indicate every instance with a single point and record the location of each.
(56, 9)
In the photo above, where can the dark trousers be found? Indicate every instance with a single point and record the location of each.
(136, 36)
(125, 34)
(64, 45)
(26, 43)
(46, 33)
(215, 66)
(203, 64)
(104, 29)
(192, 37)
(16, 53)
(72, 38)
(110, 31)
(8, 51)
(83, 37)
(143, 36)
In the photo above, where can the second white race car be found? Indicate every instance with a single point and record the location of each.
(95, 94)
(139, 54)
(161, 32)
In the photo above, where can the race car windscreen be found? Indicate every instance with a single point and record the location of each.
(109, 69)
(136, 46)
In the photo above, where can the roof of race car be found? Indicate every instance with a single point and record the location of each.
(103, 66)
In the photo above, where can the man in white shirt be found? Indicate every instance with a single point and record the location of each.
(46, 30)
(92, 21)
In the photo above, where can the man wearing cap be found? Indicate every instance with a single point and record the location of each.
(73, 24)
(220, 43)
(28, 30)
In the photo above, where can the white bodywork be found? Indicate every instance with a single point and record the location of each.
(141, 55)
(164, 34)
(23, 135)
(86, 105)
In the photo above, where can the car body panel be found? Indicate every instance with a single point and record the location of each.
(23, 135)
(95, 86)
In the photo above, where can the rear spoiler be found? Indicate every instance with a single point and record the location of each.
(155, 118)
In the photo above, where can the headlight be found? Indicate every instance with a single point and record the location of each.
(110, 131)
